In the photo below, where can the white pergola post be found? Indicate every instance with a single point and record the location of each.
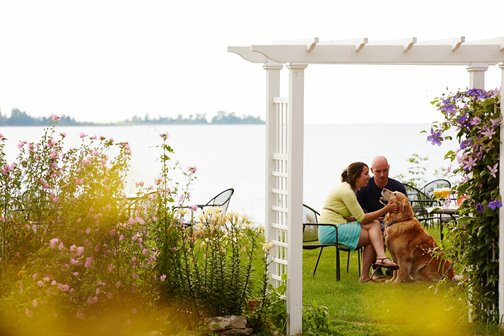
(501, 211)
(272, 91)
(295, 135)
(477, 76)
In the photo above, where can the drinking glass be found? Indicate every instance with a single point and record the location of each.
(445, 194)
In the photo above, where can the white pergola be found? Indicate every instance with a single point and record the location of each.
(285, 122)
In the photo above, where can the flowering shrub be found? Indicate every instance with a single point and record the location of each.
(72, 245)
(65, 234)
(475, 115)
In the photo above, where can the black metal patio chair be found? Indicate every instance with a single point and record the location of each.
(422, 203)
(429, 187)
(220, 202)
(311, 242)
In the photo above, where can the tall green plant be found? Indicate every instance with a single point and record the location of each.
(475, 115)
(208, 266)
(416, 171)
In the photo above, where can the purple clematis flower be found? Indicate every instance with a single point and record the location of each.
(493, 170)
(495, 122)
(450, 109)
(475, 121)
(489, 133)
(468, 163)
(477, 93)
(479, 207)
(435, 138)
(462, 119)
(495, 204)
(466, 143)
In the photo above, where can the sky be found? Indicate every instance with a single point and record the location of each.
(109, 60)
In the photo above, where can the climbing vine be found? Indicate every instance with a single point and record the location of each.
(475, 116)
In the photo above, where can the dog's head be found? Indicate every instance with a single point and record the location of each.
(405, 211)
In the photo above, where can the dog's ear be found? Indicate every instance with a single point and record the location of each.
(407, 210)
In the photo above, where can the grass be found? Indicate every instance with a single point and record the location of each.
(378, 308)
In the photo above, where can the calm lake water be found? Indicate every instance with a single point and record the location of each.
(234, 155)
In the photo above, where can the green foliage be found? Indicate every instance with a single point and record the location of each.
(271, 316)
(379, 308)
(231, 118)
(416, 171)
(476, 116)
(73, 246)
(67, 244)
(21, 118)
(209, 265)
(315, 320)
(205, 261)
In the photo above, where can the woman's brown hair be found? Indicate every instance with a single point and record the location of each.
(352, 172)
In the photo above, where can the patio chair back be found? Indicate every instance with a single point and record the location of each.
(221, 200)
(428, 189)
(311, 242)
(310, 232)
(419, 201)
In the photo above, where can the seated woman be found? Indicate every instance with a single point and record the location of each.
(355, 228)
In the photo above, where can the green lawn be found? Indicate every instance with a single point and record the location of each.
(378, 308)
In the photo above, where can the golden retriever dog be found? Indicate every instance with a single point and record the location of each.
(411, 246)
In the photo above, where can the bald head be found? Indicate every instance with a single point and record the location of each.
(380, 169)
(379, 160)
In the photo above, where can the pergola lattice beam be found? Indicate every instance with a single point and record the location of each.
(419, 54)
(407, 52)
(249, 55)
(409, 44)
(309, 43)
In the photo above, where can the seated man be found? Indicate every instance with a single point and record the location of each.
(369, 196)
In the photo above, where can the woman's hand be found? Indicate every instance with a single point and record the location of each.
(392, 207)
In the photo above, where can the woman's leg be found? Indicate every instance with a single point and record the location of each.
(368, 255)
(368, 258)
(375, 237)
(371, 234)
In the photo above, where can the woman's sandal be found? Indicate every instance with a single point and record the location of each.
(366, 280)
(392, 266)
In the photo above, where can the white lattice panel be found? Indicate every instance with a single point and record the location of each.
(279, 230)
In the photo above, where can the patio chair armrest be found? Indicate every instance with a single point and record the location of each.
(190, 207)
(321, 224)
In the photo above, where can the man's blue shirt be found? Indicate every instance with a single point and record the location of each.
(369, 196)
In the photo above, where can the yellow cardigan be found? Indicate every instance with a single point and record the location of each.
(340, 204)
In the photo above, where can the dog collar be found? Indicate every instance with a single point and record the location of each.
(391, 223)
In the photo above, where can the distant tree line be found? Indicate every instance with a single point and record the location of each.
(21, 118)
